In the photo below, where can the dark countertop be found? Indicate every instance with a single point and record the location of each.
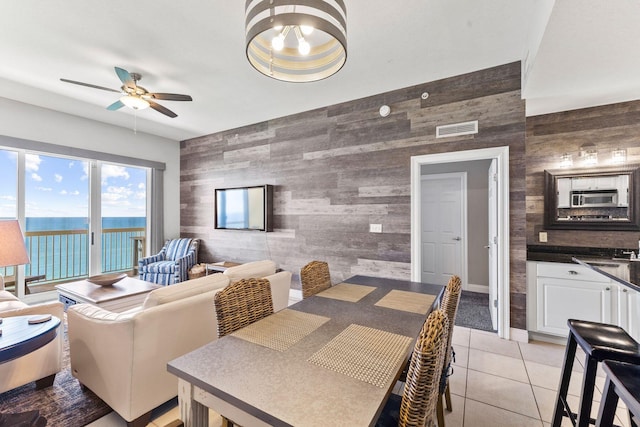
(612, 263)
(624, 272)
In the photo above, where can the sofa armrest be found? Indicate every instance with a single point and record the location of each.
(55, 308)
(280, 286)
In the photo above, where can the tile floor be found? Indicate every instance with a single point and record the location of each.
(495, 383)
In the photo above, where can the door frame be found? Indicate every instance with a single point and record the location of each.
(462, 178)
(501, 154)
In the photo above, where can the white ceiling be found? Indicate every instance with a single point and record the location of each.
(586, 55)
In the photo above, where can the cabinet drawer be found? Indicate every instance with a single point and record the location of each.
(570, 271)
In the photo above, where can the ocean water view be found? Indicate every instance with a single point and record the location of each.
(59, 246)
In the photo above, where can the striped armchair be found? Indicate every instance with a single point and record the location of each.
(172, 264)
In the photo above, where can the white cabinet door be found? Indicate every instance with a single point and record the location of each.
(629, 311)
(560, 299)
(564, 192)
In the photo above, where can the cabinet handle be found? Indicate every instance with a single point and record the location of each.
(573, 272)
(607, 289)
(624, 290)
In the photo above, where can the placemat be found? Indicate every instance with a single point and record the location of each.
(413, 302)
(347, 292)
(281, 330)
(364, 353)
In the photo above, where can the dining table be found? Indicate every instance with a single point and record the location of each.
(332, 358)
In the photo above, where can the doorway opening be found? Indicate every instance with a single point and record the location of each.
(498, 224)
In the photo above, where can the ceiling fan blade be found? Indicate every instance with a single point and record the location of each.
(171, 96)
(125, 77)
(162, 109)
(115, 106)
(90, 85)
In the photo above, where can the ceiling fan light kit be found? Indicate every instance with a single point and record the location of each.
(135, 96)
(296, 40)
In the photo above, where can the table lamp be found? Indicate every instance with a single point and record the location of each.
(12, 248)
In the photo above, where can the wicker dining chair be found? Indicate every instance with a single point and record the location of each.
(417, 406)
(242, 303)
(314, 278)
(448, 304)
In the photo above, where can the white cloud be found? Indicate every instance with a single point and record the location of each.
(57, 177)
(141, 195)
(85, 170)
(75, 193)
(10, 198)
(116, 193)
(43, 188)
(36, 177)
(113, 171)
(71, 164)
(141, 186)
(32, 162)
(63, 192)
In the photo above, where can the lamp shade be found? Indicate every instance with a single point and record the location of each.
(12, 248)
(296, 40)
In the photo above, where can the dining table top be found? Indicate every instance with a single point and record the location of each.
(332, 357)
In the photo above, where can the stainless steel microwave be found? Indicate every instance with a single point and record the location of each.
(594, 199)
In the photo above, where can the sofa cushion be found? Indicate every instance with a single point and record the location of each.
(8, 305)
(8, 296)
(185, 289)
(257, 269)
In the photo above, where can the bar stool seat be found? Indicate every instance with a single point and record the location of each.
(622, 382)
(600, 342)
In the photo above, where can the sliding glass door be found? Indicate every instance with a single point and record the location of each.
(56, 200)
(123, 207)
(80, 217)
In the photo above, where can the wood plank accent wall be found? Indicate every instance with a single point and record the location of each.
(340, 168)
(550, 135)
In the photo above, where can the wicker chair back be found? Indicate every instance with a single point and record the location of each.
(242, 303)
(314, 278)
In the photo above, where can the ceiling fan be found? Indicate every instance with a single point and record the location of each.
(135, 96)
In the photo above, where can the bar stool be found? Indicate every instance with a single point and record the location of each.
(622, 382)
(600, 342)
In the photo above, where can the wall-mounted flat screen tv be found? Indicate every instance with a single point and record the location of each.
(244, 208)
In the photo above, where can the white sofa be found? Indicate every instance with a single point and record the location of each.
(122, 357)
(280, 282)
(40, 365)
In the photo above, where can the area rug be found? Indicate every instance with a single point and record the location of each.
(473, 311)
(63, 404)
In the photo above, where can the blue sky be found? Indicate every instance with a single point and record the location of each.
(59, 187)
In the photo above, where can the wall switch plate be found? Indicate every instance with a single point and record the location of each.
(375, 228)
(542, 237)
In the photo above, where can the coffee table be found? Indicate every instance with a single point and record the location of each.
(121, 296)
(219, 267)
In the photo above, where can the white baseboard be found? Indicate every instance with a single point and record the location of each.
(484, 289)
(519, 335)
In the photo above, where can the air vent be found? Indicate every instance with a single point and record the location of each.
(456, 129)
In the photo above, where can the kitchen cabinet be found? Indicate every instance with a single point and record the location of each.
(595, 183)
(628, 311)
(567, 291)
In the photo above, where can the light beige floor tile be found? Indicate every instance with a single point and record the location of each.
(542, 352)
(497, 364)
(456, 416)
(110, 420)
(549, 377)
(478, 414)
(461, 336)
(458, 381)
(546, 400)
(492, 343)
(501, 392)
(462, 356)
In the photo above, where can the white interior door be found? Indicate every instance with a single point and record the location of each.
(493, 242)
(443, 227)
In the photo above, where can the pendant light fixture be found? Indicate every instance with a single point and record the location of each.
(296, 40)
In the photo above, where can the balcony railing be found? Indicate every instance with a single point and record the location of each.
(63, 255)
